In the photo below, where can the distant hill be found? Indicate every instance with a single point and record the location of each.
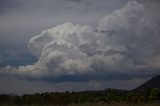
(152, 83)
(88, 98)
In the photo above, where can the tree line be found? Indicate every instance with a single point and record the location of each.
(108, 96)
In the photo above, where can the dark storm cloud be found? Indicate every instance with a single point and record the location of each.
(16, 57)
(14, 85)
(88, 77)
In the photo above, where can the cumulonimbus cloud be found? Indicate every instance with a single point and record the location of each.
(125, 42)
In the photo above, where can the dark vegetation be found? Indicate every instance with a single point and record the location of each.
(109, 96)
(147, 95)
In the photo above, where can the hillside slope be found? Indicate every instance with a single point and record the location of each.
(152, 83)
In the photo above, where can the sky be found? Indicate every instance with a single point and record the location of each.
(75, 45)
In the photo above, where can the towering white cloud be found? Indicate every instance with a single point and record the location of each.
(125, 42)
(134, 31)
